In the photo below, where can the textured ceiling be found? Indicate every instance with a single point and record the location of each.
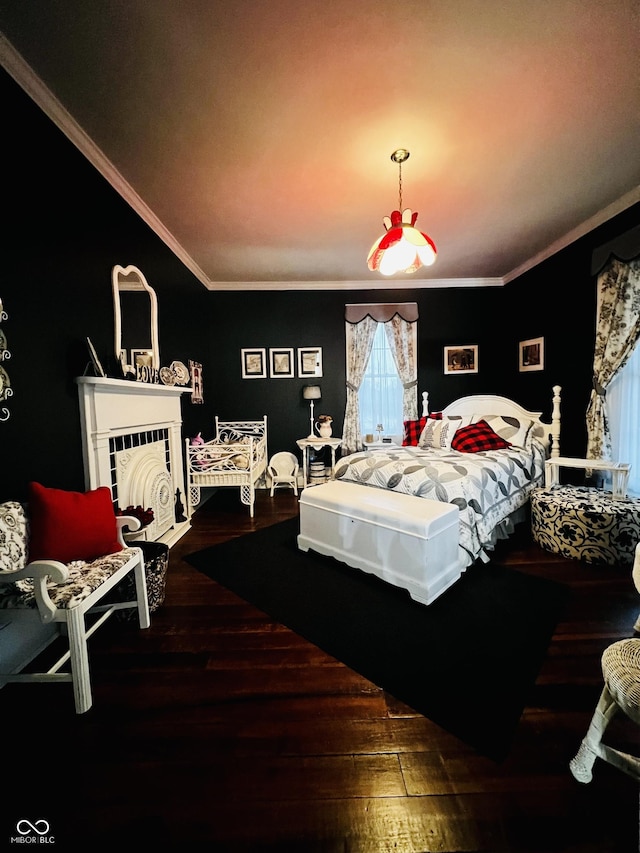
(256, 136)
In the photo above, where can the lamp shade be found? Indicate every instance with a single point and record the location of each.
(311, 392)
(403, 248)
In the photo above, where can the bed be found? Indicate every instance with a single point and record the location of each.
(451, 457)
(237, 456)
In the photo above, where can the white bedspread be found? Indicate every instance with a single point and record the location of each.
(487, 487)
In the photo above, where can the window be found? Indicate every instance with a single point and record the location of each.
(394, 366)
(380, 394)
(623, 407)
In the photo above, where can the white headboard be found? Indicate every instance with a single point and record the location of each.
(491, 404)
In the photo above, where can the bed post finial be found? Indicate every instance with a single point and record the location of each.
(555, 422)
(425, 404)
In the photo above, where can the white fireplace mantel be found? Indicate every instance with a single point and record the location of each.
(117, 407)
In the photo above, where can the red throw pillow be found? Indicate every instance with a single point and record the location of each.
(413, 429)
(412, 432)
(477, 437)
(68, 526)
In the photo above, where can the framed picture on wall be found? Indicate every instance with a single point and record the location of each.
(281, 363)
(531, 354)
(310, 361)
(254, 363)
(461, 359)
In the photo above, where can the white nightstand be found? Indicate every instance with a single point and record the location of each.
(619, 471)
(317, 443)
(380, 445)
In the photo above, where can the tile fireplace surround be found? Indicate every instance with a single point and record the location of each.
(132, 442)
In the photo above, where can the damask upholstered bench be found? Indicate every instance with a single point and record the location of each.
(60, 555)
(585, 523)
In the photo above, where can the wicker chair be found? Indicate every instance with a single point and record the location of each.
(621, 671)
(283, 469)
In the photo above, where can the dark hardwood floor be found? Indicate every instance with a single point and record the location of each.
(218, 729)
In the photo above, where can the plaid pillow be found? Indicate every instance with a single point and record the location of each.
(477, 437)
(413, 429)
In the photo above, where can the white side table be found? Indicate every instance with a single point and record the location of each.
(317, 443)
(619, 471)
(380, 445)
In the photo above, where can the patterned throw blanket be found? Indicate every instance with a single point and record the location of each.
(486, 487)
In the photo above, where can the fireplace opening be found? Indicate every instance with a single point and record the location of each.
(141, 476)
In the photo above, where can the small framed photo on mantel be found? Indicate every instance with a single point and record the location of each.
(531, 355)
(98, 369)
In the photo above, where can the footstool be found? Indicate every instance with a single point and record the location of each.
(586, 523)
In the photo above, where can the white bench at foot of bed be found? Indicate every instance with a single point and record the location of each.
(407, 541)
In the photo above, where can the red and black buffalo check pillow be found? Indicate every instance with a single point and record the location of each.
(477, 437)
(413, 429)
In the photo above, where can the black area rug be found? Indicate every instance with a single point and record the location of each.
(468, 661)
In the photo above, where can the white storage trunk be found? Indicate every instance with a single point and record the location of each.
(407, 541)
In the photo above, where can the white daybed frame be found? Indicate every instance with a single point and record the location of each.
(237, 456)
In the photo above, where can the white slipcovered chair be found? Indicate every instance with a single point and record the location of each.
(621, 691)
(283, 468)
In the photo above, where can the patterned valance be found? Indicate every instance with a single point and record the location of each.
(381, 312)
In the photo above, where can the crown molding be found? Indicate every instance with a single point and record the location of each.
(370, 284)
(23, 74)
(604, 215)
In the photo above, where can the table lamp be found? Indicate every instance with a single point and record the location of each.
(311, 393)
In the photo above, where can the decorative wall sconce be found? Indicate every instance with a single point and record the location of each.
(5, 384)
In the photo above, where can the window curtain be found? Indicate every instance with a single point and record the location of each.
(400, 339)
(623, 407)
(359, 337)
(361, 323)
(617, 332)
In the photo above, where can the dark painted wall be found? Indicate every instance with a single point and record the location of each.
(65, 228)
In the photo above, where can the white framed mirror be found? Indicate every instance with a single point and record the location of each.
(135, 307)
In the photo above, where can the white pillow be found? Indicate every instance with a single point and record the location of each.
(439, 433)
(517, 431)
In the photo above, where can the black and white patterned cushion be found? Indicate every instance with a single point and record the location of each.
(585, 523)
